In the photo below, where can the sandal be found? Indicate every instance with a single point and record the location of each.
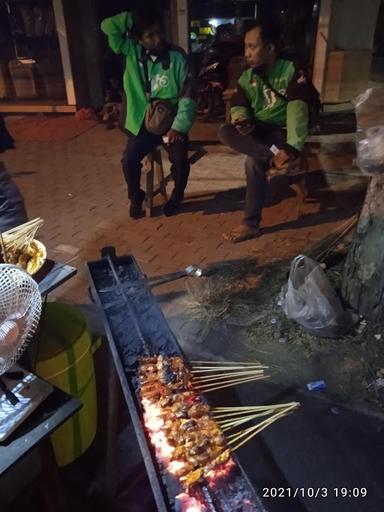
(242, 233)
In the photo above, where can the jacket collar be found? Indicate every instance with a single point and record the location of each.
(164, 57)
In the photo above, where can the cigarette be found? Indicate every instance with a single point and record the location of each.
(274, 149)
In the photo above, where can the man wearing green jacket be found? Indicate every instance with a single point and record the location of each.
(156, 70)
(269, 120)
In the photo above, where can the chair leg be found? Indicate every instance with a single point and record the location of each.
(300, 187)
(304, 180)
(159, 169)
(149, 177)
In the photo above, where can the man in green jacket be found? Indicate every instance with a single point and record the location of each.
(269, 120)
(154, 69)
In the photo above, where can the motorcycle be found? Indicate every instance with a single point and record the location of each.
(213, 75)
(211, 87)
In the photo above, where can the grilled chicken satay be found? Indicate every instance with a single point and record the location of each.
(199, 444)
(154, 391)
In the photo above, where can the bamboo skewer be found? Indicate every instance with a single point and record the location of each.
(208, 387)
(226, 375)
(255, 432)
(3, 250)
(226, 378)
(223, 363)
(247, 408)
(228, 369)
(226, 383)
(340, 234)
(23, 230)
(230, 425)
(246, 435)
(21, 236)
(233, 412)
(240, 408)
(267, 410)
(230, 420)
(235, 441)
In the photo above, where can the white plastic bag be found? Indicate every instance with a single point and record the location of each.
(370, 131)
(310, 300)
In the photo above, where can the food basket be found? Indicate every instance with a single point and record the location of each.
(20, 248)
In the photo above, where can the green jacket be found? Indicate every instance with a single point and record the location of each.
(256, 101)
(170, 76)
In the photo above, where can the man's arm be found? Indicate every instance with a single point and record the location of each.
(297, 123)
(297, 131)
(187, 106)
(240, 106)
(300, 93)
(116, 29)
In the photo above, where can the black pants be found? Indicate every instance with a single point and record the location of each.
(257, 148)
(143, 143)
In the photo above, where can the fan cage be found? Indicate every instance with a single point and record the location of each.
(20, 301)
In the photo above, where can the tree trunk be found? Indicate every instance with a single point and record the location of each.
(363, 279)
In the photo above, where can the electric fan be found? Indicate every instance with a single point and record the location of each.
(20, 309)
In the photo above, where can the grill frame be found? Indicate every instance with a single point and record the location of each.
(164, 486)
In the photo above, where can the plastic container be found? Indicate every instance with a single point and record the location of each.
(316, 385)
(65, 358)
(24, 79)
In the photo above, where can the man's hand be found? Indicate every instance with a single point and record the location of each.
(174, 136)
(284, 159)
(244, 126)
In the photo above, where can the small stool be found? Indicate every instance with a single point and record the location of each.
(153, 164)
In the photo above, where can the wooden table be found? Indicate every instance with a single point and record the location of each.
(52, 275)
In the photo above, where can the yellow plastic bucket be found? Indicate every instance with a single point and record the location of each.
(65, 358)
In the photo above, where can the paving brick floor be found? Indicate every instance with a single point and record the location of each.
(78, 189)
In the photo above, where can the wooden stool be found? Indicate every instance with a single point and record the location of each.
(153, 164)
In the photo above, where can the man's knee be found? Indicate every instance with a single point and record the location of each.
(178, 155)
(131, 155)
(225, 133)
(255, 168)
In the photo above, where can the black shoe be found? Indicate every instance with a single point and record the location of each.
(171, 207)
(136, 206)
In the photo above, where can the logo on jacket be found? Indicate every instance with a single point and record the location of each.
(160, 82)
(270, 97)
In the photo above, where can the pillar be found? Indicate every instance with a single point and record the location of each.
(344, 45)
(180, 23)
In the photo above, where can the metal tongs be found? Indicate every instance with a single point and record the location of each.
(190, 271)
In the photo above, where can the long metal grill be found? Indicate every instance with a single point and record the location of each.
(136, 327)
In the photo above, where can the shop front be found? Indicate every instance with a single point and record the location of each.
(42, 47)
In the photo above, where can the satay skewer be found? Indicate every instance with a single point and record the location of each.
(207, 388)
(235, 441)
(200, 369)
(223, 363)
(230, 425)
(247, 407)
(222, 376)
(219, 412)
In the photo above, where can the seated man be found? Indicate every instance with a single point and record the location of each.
(154, 70)
(269, 108)
(12, 210)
